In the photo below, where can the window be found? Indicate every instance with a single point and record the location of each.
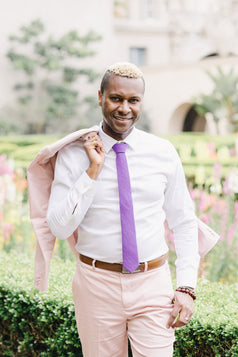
(138, 55)
(149, 9)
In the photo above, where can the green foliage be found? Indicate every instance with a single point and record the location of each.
(24, 148)
(222, 102)
(25, 140)
(7, 148)
(192, 148)
(35, 323)
(47, 97)
(199, 152)
(213, 330)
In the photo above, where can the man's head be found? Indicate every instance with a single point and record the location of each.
(120, 96)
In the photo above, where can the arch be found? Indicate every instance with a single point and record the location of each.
(194, 122)
(185, 118)
(177, 119)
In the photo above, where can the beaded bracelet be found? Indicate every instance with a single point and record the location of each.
(187, 290)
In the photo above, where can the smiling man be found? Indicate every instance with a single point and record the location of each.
(117, 190)
(121, 101)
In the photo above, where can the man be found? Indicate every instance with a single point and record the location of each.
(110, 305)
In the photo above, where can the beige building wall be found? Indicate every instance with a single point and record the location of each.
(170, 90)
(175, 33)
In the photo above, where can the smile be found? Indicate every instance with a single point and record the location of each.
(122, 119)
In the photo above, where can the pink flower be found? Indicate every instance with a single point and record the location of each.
(205, 218)
(231, 233)
(226, 187)
(212, 149)
(4, 169)
(220, 207)
(216, 172)
(204, 202)
(195, 193)
(7, 230)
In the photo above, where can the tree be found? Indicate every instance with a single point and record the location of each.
(222, 102)
(47, 95)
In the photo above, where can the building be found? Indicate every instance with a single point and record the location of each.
(173, 41)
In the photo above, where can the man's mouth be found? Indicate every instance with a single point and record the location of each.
(121, 118)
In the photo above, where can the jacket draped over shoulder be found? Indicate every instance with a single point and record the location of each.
(40, 175)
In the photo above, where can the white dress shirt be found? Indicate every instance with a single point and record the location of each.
(159, 192)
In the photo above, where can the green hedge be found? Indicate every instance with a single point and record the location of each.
(190, 146)
(23, 148)
(43, 324)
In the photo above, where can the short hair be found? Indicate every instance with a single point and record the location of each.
(122, 69)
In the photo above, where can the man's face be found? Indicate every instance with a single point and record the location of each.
(121, 104)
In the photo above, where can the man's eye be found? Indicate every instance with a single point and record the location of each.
(115, 99)
(134, 100)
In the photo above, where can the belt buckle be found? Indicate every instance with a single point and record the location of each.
(125, 271)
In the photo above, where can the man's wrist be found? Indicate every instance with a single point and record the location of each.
(187, 290)
(94, 170)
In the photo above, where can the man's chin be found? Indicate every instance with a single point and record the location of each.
(118, 131)
(122, 129)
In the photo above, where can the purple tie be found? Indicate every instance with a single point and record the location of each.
(129, 246)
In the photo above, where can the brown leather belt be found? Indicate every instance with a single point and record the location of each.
(152, 264)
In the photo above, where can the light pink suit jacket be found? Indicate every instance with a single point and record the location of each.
(40, 175)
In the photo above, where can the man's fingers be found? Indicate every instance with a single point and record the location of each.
(182, 320)
(173, 316)
(93, 142)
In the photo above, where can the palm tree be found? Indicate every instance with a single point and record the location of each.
(222, 102)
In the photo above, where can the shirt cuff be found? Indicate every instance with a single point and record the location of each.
(187, 275)
(85, 185)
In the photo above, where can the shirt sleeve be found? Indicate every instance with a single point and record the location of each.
(179, 210)
(71, 195)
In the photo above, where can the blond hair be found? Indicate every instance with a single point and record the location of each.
(125, 69)
(122, 69)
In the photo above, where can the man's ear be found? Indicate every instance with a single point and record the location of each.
(99, 98)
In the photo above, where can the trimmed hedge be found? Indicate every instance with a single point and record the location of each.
(23, 148)
(190, 146)
(33, 323)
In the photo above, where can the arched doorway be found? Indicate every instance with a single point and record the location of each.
(185, 118)
(194, 122)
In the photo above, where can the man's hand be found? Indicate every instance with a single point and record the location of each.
(94, 149)
(182, 311)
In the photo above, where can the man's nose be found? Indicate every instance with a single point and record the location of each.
(124, 107)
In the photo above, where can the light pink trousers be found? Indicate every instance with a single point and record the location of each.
(110, 307)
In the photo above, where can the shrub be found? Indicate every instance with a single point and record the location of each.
(33, 323)
(7, 148)
(198, 151)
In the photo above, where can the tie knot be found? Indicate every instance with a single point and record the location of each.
(120, 147)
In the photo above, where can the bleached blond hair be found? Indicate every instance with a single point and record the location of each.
(122, 69)
(125, 69)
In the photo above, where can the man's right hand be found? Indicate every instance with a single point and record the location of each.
(94, 149)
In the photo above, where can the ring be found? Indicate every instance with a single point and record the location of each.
(94, 143)
(187, 318)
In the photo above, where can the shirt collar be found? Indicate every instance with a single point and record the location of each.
(108, 141)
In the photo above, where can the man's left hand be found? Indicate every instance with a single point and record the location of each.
(182, 311)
